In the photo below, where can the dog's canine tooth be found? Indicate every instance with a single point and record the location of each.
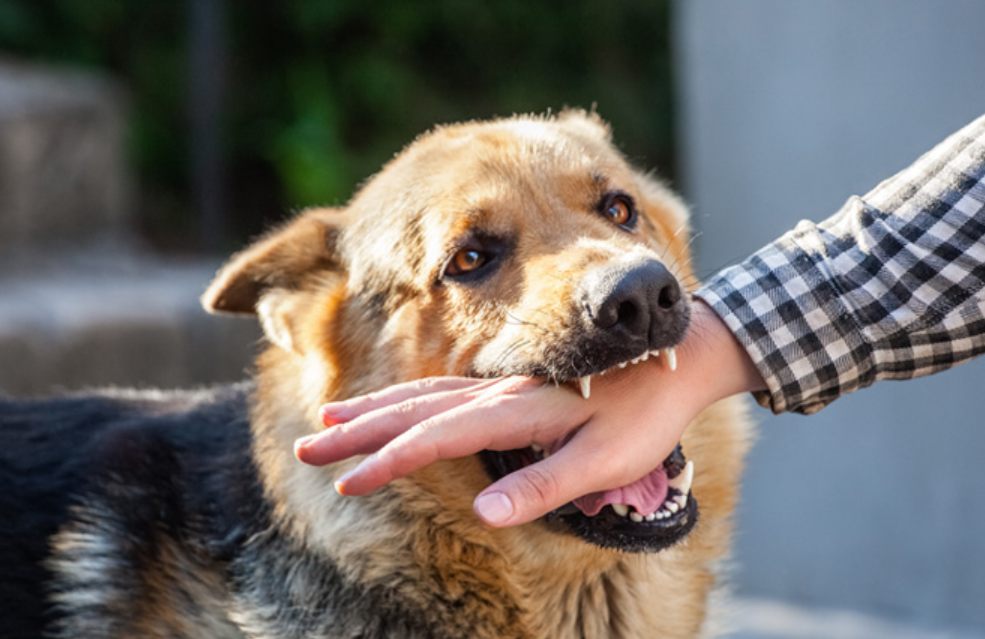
(586, 385)
(683, 481)
(671, 355)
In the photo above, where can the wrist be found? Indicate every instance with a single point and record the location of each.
(714, 358)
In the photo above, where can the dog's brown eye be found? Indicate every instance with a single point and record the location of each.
(465, 261)
(619, 211)
(618, 207)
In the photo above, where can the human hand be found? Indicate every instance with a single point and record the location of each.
(630, 424)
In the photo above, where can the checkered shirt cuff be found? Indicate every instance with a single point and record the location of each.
(890, 287)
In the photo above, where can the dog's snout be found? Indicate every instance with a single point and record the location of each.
(641, 303)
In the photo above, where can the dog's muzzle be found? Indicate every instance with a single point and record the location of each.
(638, 305)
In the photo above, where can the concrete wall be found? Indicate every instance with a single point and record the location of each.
(116, 318)
(788, 107)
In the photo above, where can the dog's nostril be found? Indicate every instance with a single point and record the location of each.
(627, 313)
(668, 296)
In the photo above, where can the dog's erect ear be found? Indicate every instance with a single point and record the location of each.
(303, 248)
(585, 124)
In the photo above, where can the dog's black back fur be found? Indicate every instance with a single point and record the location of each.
(167, 463)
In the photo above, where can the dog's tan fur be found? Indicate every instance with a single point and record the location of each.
(350, 301)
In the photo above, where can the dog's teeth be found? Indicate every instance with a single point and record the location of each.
(621, 509)
(680, 500)
(536, 448)
(635, 361)
(645, 356)
(655, 353)
(635, 516)
(683, 481)
(623, 364)
(671, 356)
(586, 385)
(651, 517)
(671, 506)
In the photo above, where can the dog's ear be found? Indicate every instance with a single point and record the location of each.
(585, 124)
(261, 278)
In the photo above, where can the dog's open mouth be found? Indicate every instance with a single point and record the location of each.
(648, 515)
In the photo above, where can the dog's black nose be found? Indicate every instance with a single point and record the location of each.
(639, 303)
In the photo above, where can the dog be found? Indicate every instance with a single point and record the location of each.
(526, 245)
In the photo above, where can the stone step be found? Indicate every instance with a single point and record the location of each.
(113, 319)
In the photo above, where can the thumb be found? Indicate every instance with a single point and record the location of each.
(519, 497)
(535, 490)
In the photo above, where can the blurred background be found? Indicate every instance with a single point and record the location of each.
(141, 142)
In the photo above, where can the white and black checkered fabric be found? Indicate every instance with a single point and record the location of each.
(890, 287)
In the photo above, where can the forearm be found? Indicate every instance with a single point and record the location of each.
(890, 287)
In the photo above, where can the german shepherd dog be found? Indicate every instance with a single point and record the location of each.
(526, 246)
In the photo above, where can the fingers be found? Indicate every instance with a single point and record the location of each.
(509, 414)
(418, 446)
(337, 412)
(364, 424)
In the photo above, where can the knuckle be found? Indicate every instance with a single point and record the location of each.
(508, 391)
(428, 384)
(521, 385)
(539, 485)
(407, 408)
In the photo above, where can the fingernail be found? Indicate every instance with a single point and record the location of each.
(332, 414)
(302, 443)
(493, 508)
(342, 483)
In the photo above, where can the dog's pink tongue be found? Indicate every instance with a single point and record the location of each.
(645, 495)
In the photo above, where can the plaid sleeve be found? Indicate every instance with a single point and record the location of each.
(890, 287)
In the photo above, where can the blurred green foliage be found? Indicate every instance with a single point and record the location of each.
(319, 94)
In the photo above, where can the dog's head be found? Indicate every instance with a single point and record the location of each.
(518, 246)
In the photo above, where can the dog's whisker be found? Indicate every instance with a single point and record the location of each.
(680, 229)
(501, 359)
(519, 321)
